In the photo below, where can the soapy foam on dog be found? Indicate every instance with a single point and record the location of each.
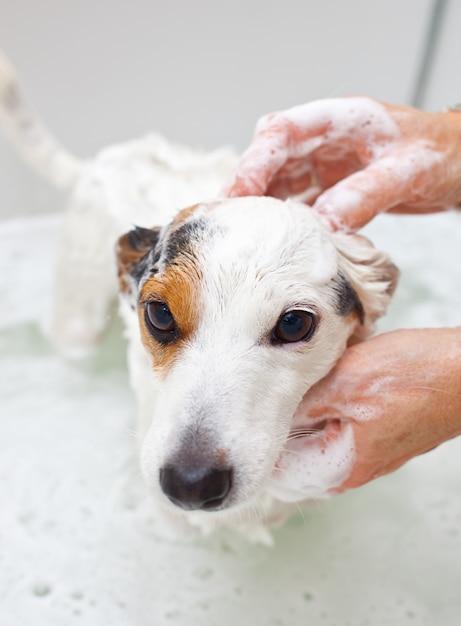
(308, 469)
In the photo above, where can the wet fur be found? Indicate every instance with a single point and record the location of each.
(224, 388)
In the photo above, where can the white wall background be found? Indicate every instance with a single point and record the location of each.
(102, 71)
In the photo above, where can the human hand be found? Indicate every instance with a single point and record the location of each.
(354, 158)
(399, 391)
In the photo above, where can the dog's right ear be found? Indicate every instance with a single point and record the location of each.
(371, 275)
(132, 252)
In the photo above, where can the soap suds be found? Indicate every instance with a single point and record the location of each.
(312, 465)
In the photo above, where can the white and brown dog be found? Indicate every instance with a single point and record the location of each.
(234, 308)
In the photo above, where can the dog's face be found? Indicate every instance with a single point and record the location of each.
(243, 304)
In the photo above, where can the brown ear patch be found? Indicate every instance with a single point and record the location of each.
(131, 250)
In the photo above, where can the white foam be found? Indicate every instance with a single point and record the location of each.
(310, 467)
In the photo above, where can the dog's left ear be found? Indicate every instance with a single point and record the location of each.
(132, 252)
(372, 275)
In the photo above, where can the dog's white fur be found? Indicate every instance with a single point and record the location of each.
(228, 387)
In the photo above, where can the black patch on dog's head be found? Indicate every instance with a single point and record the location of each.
(181, 242)
(347, 300)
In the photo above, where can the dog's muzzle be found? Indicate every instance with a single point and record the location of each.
(192, 488)
(198, 476)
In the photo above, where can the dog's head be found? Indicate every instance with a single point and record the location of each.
(243, 304)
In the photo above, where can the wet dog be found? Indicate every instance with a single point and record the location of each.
(240, 306)
(233, 309)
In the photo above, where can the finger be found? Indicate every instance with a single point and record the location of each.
(352, 203)
(258, 165)
(389, 182)
(342, 124)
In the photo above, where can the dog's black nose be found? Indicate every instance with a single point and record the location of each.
(203, 488)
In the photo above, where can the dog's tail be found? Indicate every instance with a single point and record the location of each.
(25, 129)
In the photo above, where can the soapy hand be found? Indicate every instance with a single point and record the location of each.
(400, 392)
(354, 158)
(397, 395)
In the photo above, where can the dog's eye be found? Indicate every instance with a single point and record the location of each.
(294, 326)
(160, 322)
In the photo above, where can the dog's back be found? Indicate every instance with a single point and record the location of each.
(143, 182)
